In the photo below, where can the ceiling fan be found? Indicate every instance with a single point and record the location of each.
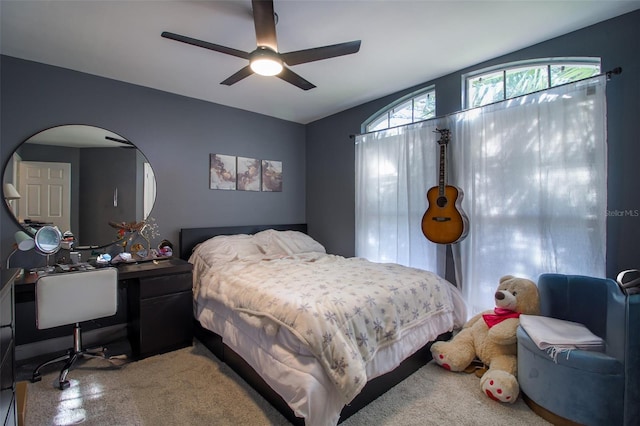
(266, 60)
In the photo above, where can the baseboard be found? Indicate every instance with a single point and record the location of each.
(89, 338)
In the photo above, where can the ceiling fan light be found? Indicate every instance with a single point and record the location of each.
(266, 66)
(266, 62)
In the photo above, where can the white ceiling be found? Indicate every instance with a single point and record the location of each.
(404, 43)
(79, 136)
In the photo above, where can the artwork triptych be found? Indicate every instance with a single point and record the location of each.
(244, 174)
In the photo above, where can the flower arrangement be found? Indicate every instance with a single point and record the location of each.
(128, 231)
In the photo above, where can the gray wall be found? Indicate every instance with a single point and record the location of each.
(176, 134)
(331, 156)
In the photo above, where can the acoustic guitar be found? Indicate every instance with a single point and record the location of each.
(444, 222)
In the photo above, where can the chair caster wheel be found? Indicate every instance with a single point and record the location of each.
(36, 378)
(64, 385)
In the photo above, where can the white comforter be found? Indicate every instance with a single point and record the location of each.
(343, 310)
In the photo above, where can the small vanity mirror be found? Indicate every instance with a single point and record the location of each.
(48, 239)
(78, 178)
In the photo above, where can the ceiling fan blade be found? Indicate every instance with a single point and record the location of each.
(291, 77)
(265, 23)
(243, 73)
(206, 45)
(319, 53)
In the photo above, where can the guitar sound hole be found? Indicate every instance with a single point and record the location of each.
(441, 201)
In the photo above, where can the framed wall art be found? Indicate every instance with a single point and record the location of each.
(271, 176)
(249, 174)
(222, 171)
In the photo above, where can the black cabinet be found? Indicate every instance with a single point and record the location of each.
(7, 349)
(160, 306)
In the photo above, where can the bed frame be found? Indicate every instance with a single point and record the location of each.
(189, 238)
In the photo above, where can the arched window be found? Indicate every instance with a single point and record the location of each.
(416, 106)
(507, 81)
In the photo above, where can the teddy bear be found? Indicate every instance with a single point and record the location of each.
(490, 337)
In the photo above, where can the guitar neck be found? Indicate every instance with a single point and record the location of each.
(442, 181)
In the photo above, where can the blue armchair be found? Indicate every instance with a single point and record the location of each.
(585, 387)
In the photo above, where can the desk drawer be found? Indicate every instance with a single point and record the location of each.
(7, 375)
(6, 331)
(6, 339)
(165, 284)
(166, 323)
(6, 306)
(7, 405)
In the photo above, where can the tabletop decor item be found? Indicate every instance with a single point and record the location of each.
(129, 232)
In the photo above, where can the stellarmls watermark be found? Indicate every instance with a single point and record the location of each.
(623, 213)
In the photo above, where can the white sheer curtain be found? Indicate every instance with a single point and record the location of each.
(394, 170)
(533, 171)
(534, 174)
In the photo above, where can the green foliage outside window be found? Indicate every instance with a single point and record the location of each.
(417, 107)
(518, 80)
(482, 88)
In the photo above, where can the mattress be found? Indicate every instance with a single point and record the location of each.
(276, 347)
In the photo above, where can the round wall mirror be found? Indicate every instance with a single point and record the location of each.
(78, 178)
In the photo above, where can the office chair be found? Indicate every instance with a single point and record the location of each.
(71, 298)
(585, 387)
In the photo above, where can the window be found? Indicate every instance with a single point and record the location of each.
(513, 161)
(415, 107)
(515, 79)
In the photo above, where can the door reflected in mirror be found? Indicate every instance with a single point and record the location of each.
(79, 178)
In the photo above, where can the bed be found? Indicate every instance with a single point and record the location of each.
(319, 336)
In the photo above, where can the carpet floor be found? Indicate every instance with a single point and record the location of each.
(192, 387)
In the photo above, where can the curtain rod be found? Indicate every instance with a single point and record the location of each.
(608, 74)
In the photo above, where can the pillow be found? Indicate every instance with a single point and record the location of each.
(229, 247)
(268, 244)
(286, 243)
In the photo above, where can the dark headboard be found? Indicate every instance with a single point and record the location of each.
(190, 237)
